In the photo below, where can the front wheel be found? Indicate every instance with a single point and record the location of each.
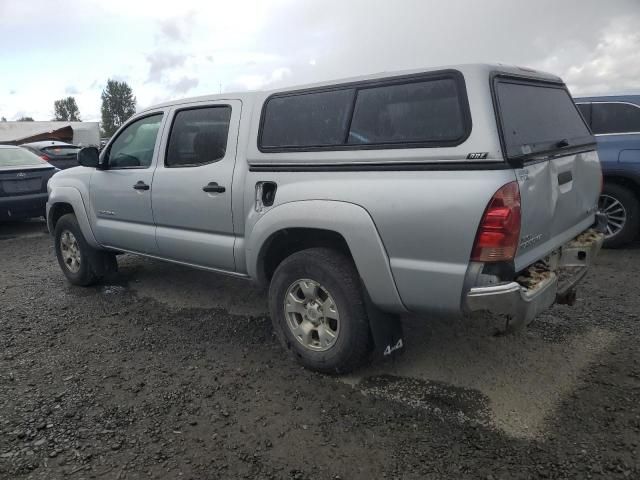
(80, 263)
(318, 312)
(622, 209)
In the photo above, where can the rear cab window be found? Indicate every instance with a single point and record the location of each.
(19, 157)
(537, 118)
(61, 150)
(429, 110)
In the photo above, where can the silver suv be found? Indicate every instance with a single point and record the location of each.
(437, 192)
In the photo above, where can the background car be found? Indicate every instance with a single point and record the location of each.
(615, 121)
(59, 154)
(23, 183)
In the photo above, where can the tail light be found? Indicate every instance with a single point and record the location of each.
(45, 157)
(499, 231)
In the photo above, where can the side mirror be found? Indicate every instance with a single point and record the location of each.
(89, 157)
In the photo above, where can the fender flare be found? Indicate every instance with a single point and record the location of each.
(347, 219)
(72, 196)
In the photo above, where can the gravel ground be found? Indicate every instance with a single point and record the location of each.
(174, 373)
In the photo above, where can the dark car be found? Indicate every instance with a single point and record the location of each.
(615, 121)
(23, 183)
(59, 154)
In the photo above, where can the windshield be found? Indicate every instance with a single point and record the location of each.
(61, 150)
(18, 157)
(538, 117)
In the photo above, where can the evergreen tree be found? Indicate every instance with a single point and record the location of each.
(66, 109)
(118, 104)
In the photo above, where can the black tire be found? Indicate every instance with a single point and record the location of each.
(632, 207)
(93, 264)
(337, 274)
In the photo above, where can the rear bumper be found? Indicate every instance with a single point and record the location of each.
(23, 206)
(541, 285)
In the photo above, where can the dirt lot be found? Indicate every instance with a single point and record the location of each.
(175, 373)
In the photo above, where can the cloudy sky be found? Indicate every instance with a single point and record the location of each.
(164, 50)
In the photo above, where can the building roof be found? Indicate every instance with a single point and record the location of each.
(18, 132)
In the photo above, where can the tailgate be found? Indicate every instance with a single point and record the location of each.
(555, 160)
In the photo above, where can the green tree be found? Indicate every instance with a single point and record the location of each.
(25, 119)
(118, 104)
(66, 110)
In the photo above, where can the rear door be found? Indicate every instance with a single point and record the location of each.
(192, 185)
(554, 155)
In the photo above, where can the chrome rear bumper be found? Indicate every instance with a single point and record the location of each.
(541, 285)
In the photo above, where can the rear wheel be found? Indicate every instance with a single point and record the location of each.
(622, 209)
(80, 263)
(318, 312)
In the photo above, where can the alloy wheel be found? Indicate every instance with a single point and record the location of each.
(312, 315)
(615, 212)
(70, 251)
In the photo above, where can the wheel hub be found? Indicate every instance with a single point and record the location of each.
(311, 315)
(70, 251)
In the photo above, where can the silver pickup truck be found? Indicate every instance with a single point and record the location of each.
(437, 192)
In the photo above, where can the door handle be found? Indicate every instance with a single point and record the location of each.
(141, 186)
(213, 187)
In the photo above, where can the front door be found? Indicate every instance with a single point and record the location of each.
(192, 185)
(121, 194)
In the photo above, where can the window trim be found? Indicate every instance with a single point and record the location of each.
(611, 102)
(449, 74)
(173, 120)
(520, 161)
(104, 160)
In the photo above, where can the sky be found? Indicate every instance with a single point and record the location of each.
(50, 49)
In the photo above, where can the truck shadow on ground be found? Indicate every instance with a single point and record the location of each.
(22, 228)
(518, 380)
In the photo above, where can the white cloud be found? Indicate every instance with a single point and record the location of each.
(613, 66)
(159, 62)
(184, 85)
(165, 49)
(258, 81)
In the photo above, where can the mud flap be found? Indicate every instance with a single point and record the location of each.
(386, 332)
(103, 264)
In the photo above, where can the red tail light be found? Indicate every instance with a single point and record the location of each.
(499, 231)
(44, 157)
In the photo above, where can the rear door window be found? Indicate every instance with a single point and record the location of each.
(611, 118)
(428, 111)
(198, 136)
(538, 117)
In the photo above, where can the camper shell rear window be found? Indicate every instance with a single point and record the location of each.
(537, 117)
(417, 111)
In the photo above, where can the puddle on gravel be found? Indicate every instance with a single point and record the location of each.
(439, 399)
(112, 289)
(513, 382)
